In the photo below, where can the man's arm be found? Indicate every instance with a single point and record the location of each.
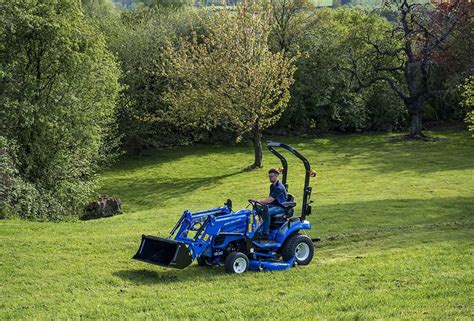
(275, 193)
(266, 201)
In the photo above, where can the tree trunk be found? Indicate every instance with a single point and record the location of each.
(257, 144)
(415, 122)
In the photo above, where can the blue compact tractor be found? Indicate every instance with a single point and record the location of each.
(220, 236)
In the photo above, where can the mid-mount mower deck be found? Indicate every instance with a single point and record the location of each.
(220, 236)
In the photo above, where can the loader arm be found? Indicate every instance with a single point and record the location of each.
(180, 251)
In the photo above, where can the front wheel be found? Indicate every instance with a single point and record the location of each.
(299, 246)
(236, 262)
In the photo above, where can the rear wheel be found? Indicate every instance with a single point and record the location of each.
(299, 246)
(236, 262)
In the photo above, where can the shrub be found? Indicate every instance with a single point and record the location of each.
(59, 86)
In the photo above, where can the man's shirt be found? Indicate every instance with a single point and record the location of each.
(278, 192)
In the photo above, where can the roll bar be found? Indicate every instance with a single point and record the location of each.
(306, 207)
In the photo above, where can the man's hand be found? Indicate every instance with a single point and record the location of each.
(256, 201)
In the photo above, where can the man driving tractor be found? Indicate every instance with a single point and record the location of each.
(221, 236)
(276, 197)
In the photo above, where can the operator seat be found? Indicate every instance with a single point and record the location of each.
(276, 221)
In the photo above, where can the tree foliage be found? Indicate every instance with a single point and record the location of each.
(173, 4)
(229, 77)
(290, 20)
(322, 96)
(468, 101)
(58, 91)
(138, 38)
(405, 58)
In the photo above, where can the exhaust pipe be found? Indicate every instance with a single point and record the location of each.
(163, 252)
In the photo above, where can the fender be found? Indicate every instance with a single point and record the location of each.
(285, 232)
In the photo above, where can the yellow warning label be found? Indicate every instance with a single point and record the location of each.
(206, 237)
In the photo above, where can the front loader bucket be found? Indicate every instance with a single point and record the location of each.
(164, 252)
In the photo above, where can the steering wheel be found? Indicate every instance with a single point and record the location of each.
(254, 203)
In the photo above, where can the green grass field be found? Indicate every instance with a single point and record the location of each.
(395, 218)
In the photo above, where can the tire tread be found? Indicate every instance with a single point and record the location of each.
(288, 248)
(229, 261)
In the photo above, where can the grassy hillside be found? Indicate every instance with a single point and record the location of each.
(395, 218)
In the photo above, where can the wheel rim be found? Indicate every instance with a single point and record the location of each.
(302, 251)
(240, 265)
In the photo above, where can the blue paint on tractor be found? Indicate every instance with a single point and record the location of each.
(259, 265)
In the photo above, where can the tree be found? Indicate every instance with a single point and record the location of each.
(290, 20)
(139, 44)
(229, 77)
(58, 91)
(405, 59)
(322, 98)
(452, 64)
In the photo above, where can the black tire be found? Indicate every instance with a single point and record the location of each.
(204, 261)
(298, 242)
(236, 262)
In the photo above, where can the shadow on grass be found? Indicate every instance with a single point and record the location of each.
(193, 272)
(373, 148)
(150, 193)
(382, 156)
(173, 154)
(366, 219)
(368, 152)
